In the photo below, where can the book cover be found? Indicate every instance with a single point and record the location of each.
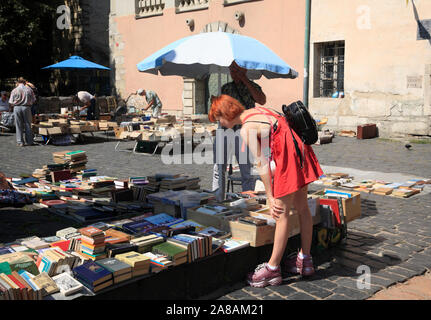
(160, 219)
(232, 245)
(171, 250)
(93, 273)
(62, 244)
(44, 281)
(118, 248)
(116, 266)
(91, 232)
(67, 284)
(134, 259)
(5, 268)
(138, 226)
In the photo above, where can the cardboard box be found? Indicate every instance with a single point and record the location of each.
(55, 130)
(294, 225)
(75, 129)
(118, 131)
(43, 131)
(256, 235)
(351, 206)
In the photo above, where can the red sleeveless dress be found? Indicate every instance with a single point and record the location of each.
(289, 176)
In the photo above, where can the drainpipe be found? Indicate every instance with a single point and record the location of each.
(307, 51)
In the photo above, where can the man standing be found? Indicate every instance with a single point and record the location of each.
(22, 98)
(247, 93)
(153, 102)
(89, 103)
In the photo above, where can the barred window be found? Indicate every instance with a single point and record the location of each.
(329, 68)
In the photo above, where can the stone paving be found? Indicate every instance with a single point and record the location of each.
(392, 237)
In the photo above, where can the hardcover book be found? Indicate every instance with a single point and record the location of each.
(116, 266)
(117, 248)
(92, 273)
(91, 232)
(135, 259)
(171, 250)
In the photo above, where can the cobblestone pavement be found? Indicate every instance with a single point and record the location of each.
(392, 237)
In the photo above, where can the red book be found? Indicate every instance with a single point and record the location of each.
(92, 241)
(22, 288)
(63, 244)
(91, 232)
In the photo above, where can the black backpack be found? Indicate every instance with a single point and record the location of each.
(301, 121)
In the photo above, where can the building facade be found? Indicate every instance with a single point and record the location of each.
(377, 54)
(139, 28)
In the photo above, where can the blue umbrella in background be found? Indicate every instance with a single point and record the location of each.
(76, 63)
(199, 55)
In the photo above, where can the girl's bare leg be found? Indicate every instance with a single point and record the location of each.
(281, 231)
(300, 203)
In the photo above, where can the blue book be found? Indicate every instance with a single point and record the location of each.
(26, 180)
(184, 238)
(141, 226)
(160, 219)
(92, 273)
(6, 250)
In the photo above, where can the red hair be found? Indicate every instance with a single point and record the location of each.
(225, 106)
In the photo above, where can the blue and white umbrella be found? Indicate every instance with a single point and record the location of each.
(202, 54)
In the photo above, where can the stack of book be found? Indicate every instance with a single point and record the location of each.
(138, 181)
(40, 173)
(86, 174)
(140, 264)
(59, 157)
(68, 233)
(193, 183)
(146, 243)
(77, 160)
(113, 236)
(179, 183)
(152, 186)
(158, 262)
(93, 243)
(177, 254)
(93, 276)
(120, 271)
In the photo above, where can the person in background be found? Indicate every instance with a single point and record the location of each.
(88, 101)
(35, 106)
(4, 103)
(284, 176)
(21, 99)
(153, 101)
(248, 93)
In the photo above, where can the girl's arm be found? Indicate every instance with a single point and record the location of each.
(250, 135)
